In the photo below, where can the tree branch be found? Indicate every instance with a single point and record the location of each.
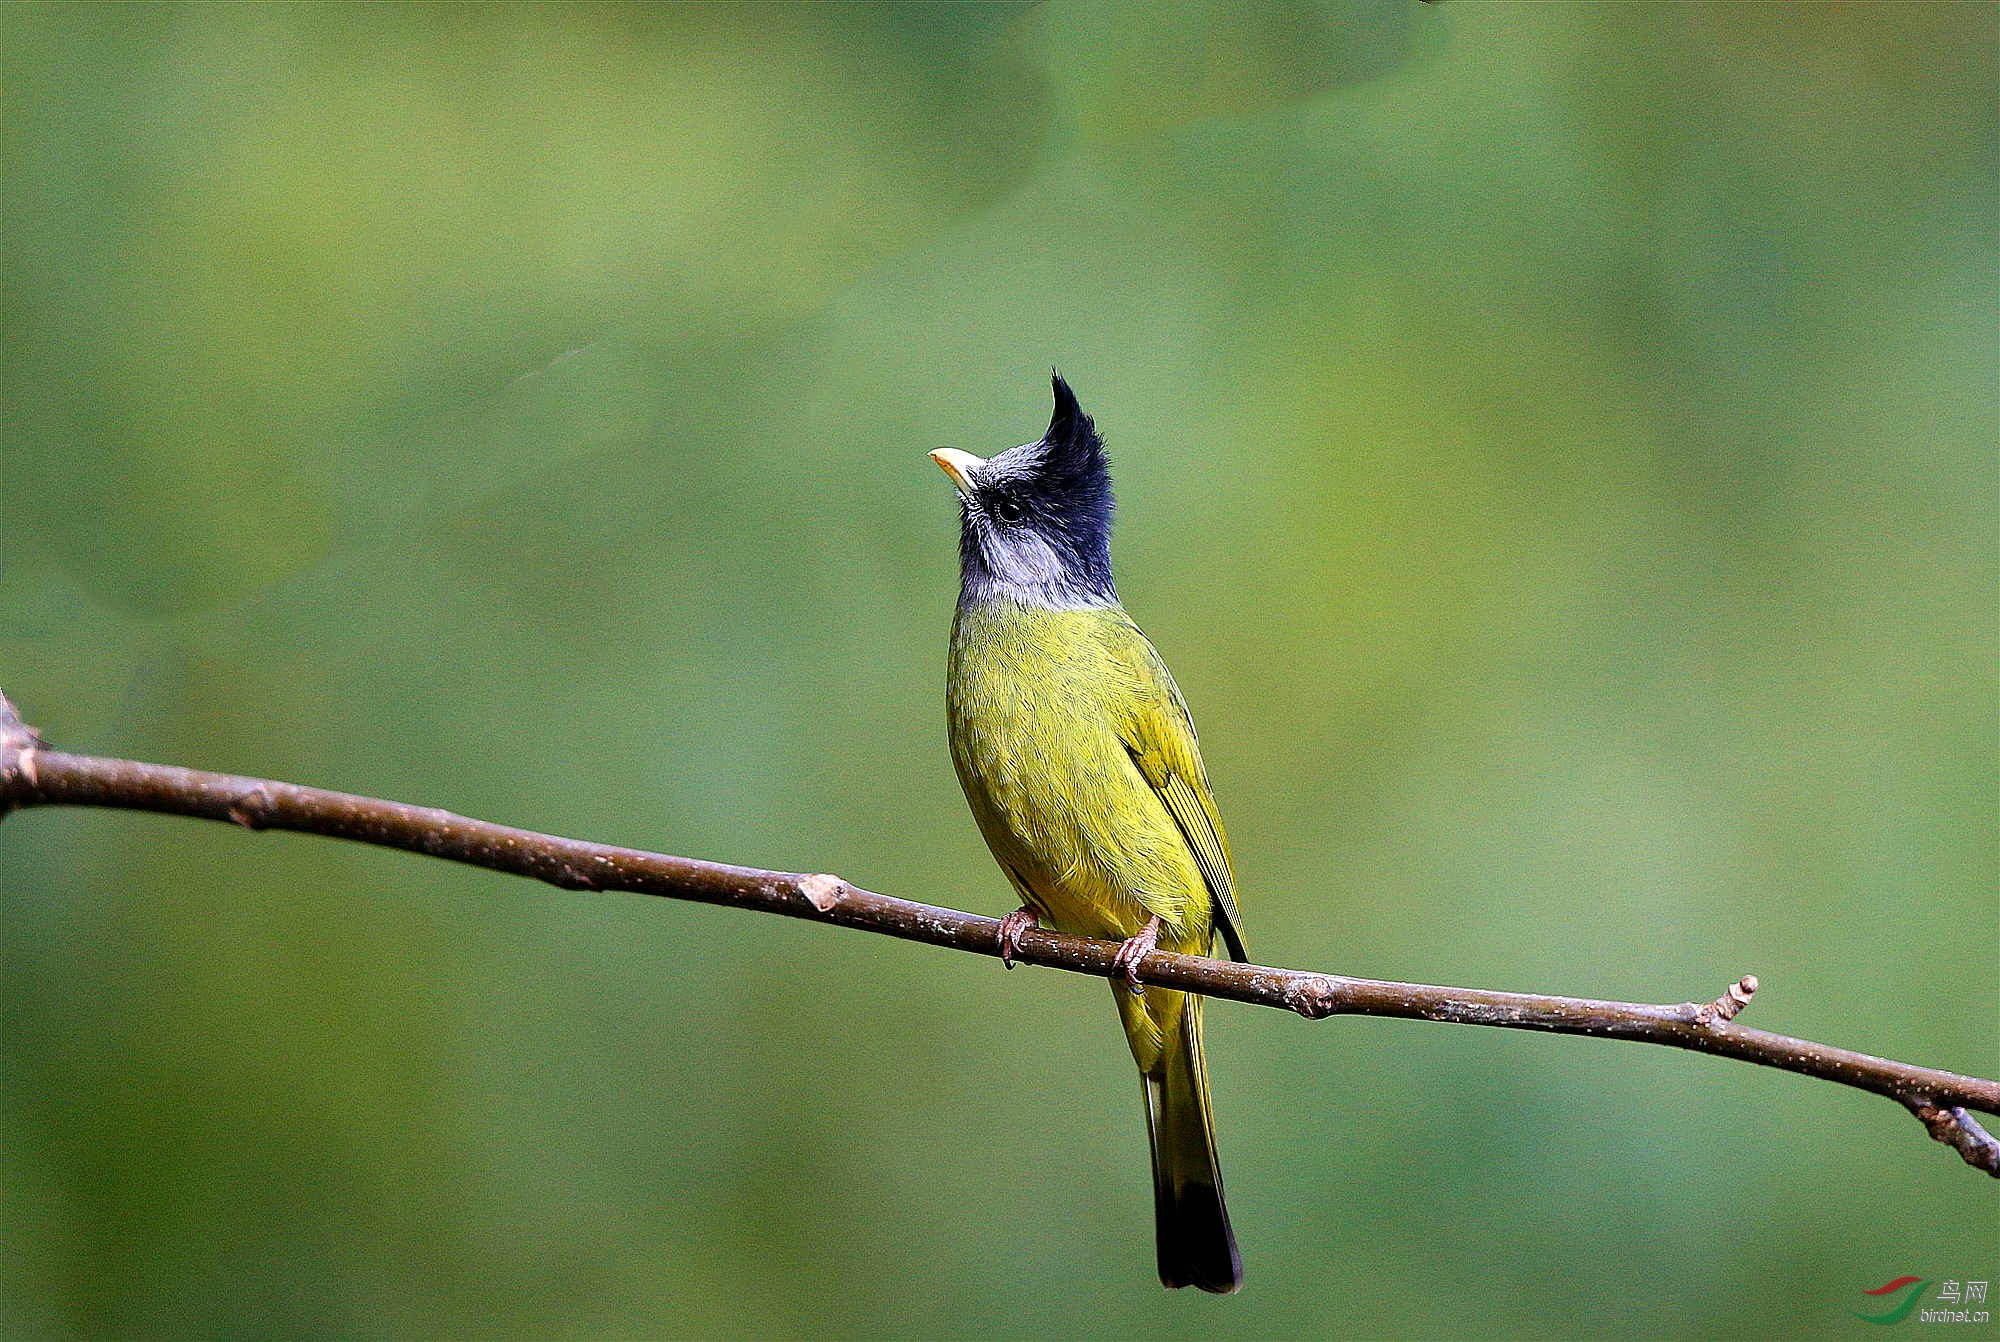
(33, 775)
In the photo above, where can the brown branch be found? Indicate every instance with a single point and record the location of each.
(1960, 1131)
(33, 775)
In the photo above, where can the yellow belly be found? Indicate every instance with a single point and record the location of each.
(1033, 705)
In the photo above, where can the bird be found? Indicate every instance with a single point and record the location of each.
(1081, 765)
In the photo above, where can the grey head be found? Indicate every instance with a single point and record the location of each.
(1035, 520)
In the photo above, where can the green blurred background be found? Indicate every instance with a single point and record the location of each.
(1556, 450)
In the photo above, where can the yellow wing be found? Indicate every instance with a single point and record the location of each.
(1161, 739)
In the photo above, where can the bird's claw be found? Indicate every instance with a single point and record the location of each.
(1011, 929)
(1133, 950)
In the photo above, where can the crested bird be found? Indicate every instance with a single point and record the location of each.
(1079, 759)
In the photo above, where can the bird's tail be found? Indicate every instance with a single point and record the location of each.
(1196, 1245)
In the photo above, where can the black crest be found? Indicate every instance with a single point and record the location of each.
(1068, 414)
(1073, 471)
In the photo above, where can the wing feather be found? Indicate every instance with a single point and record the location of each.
(1163, 743)
(1198, 826)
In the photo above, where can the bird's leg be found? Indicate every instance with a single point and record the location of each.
(1135, 949)
(1011, 928)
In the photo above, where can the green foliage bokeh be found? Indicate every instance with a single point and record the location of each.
(1556, 453)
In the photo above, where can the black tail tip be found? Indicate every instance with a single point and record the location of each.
(1197, 1247)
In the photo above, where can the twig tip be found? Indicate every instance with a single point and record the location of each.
(1725, 1007)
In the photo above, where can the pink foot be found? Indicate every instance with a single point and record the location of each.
(1011, 928)
(1135, 949)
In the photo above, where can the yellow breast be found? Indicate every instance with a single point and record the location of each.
(1035, 700)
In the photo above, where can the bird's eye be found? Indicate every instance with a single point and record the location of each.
(1006, 509)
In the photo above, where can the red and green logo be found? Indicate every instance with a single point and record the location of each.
(1910, 1288)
